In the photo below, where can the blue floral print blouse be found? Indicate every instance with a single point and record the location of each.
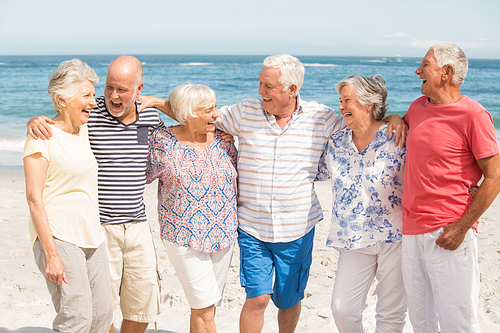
(367, 190)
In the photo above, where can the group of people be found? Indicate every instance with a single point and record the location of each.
(402, 214)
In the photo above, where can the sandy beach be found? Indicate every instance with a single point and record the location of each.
(25, 305)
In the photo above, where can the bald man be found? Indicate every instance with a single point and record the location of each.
(118, 137)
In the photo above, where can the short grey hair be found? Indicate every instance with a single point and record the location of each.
(368, 90)
(450, 54)
(291, 70)
(186, 98)
(65, 80)
(140, 73)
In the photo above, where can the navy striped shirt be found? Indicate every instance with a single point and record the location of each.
(121, 152)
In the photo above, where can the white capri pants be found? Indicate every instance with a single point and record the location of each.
(442, 285)
(202, 275)
(356, 270)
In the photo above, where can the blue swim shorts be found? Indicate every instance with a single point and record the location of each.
(289, 262)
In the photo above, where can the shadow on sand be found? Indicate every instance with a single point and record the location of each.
(27, 330)
(48, 330)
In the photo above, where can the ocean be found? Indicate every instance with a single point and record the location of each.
(24, 79)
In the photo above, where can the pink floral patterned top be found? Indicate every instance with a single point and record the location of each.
(197, 191)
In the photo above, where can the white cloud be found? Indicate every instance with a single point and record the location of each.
(398, 35)
(421, 43)
(481, 39)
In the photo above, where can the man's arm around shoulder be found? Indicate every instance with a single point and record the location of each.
(38, 127)
(397, 123)
(155, 102)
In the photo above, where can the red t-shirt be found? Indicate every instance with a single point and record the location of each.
(444, 142)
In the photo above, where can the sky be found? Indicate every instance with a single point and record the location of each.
(384, 28)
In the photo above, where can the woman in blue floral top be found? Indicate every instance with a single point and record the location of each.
(366, 169)
(197, 191)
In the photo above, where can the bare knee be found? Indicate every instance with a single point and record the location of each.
(202, 320)
(206, 314)
(258, 302)
(129, 326)
(252, 314)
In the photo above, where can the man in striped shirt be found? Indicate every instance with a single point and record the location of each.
(119, 138)
(281, 138)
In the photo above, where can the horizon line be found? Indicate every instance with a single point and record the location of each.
(209, 54)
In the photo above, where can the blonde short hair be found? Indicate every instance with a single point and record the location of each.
(186, 98)
(65, 80)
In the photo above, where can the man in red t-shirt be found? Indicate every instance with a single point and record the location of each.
(451, 145)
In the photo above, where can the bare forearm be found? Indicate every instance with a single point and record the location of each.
(397, 123)
(158, 103)
(387, 118)
(35, 172)
(164, 106)
(486, 193)
(454, 233)
(54, 270)
(42, 228)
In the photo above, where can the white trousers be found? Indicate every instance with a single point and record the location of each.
(442, 285)
(356, 270)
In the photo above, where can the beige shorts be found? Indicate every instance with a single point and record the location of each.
(134, 275)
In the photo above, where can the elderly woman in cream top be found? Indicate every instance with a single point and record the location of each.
(61, 189)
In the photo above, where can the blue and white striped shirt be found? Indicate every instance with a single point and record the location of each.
(277, 168)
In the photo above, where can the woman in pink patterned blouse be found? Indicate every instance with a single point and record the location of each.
(197, 192)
